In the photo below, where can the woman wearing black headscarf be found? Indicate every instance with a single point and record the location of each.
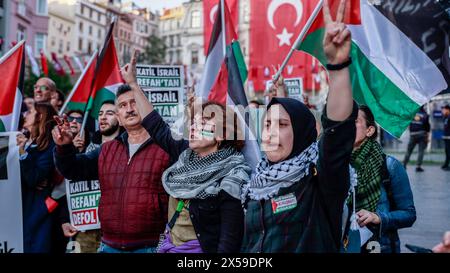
(295, 200)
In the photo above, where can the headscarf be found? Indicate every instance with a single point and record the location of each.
(303, 123)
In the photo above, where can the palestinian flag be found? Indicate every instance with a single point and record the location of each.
(12, 69)
(79, 96)
(99, 81)
(225, 74)
(107, 76)
(399, 52)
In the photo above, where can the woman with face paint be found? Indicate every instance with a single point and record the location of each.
(206, 180)
(294, 201)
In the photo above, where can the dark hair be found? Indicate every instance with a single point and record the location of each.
(44, 124)
(124, 88)
(61, 95)
(108, 102)
(370, 120)
(229, 126)
(75, 111)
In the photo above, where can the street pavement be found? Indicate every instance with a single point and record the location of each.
(431, 190)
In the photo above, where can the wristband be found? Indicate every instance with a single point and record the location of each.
(334, 67)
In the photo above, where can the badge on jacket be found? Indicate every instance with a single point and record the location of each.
(283, 203)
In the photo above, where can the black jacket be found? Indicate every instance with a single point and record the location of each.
(315, 223)
(420, 123)
(218, 221)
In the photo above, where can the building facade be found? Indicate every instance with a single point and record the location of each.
(90, 27)
(61, 28)
(25, 20)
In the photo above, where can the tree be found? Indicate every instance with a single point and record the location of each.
(155, 51)
(63, 83)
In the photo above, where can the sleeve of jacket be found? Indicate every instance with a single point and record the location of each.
(403, 211)
(335, 148)
(427, 123)
(161, 134)
(232, 224)
(75, 166)
(36, 166)
(64, 216)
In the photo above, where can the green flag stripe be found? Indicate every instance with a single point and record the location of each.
(392, 108)
(103, 95)
(240, 60)
(2, 127)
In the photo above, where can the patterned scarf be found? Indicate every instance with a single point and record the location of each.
(270, 178)
(368, 160)
(202, 177)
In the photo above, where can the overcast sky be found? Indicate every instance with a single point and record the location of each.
(159, 4)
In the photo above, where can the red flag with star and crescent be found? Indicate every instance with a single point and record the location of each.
(275, 26)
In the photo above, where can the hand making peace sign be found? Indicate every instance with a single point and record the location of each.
(337, 40)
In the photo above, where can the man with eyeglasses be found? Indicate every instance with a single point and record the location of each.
(44, 89)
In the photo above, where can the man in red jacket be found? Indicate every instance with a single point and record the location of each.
(133, 203)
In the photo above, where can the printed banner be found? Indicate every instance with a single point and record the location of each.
(11, 226)
(82, 199)
(164, 86)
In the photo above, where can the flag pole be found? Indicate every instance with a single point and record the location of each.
(224, 28)
(72, 92)
(299, 40)
(11, 51)
(91, 100)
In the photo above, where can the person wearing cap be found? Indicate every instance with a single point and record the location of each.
(446, 136)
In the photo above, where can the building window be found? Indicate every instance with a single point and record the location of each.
(68, 29)
(61, 46)
(90, 30)
(194, 57)
(80, 44)
(41, 7)
(68, 47)
(39, 42)
(99, 17)
(100, 33)
(179, 40)
(53, 41)
(22, 8)
(195, 19)
(90, 13)
(120, 33)
(82, 10)
(81, 26)
(21, 33)
(89, 48)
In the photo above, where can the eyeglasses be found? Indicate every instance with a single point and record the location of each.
(41, 87)
(77, 119)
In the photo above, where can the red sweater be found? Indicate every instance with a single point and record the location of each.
(133, 204)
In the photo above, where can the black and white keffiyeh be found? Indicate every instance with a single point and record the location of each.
(194, 177)
(270, 178)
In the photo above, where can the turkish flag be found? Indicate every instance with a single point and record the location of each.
(274, 28)
(210, 9)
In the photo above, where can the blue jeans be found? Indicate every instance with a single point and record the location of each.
(104, 248)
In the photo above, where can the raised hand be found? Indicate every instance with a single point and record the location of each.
(78, 142)
(61, 132)
(129, 70)
(337, 40)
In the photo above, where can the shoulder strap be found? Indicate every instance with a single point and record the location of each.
(176, 214)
